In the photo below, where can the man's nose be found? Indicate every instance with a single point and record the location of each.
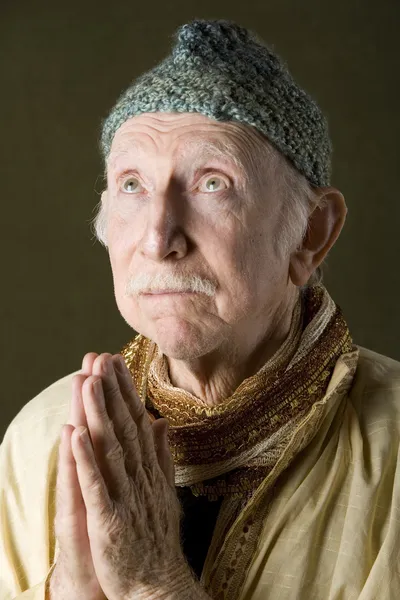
(164, 235)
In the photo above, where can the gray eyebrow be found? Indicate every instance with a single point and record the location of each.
(224, 149)
(204, 148)
(134, 146)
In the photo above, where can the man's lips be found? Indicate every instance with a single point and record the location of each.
(166, 293)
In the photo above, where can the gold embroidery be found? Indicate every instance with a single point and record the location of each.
(239, 448)
(231, 448)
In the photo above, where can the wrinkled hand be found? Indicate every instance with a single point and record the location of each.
(126, 476)
(74, 575)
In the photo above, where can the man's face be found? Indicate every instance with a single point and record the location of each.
(180, 206)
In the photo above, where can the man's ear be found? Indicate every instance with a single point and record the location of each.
(324, 226)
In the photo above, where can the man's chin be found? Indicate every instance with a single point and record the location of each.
(181, 341)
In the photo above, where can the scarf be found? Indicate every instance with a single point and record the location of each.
(238, 448)
(229, 449)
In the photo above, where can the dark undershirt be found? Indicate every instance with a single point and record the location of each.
(197, 526)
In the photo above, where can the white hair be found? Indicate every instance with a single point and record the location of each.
(298, 200)
(99, 223)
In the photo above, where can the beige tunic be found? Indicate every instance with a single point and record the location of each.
(332, 519)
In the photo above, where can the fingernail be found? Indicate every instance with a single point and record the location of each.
(84, 436)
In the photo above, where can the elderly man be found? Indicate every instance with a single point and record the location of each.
(240, 447)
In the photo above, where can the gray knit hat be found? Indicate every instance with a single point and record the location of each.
(224, 72)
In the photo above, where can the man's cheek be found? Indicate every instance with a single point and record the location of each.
(120, 278)
(130, 311)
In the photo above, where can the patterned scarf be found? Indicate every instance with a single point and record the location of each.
(229, 449)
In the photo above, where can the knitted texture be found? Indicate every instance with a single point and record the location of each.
(222, 71)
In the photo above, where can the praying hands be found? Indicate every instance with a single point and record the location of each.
(118, 516)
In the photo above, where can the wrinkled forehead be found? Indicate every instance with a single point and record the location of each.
(186, 139)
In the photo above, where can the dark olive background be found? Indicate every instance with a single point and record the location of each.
(62, 68)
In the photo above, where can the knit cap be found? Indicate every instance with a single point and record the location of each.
(223, 71)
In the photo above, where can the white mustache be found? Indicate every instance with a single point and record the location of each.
(168, 282)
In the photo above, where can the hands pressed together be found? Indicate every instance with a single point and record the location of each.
(118, 516)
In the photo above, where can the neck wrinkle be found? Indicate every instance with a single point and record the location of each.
(265, 362)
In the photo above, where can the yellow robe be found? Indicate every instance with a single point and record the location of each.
(332, 524)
